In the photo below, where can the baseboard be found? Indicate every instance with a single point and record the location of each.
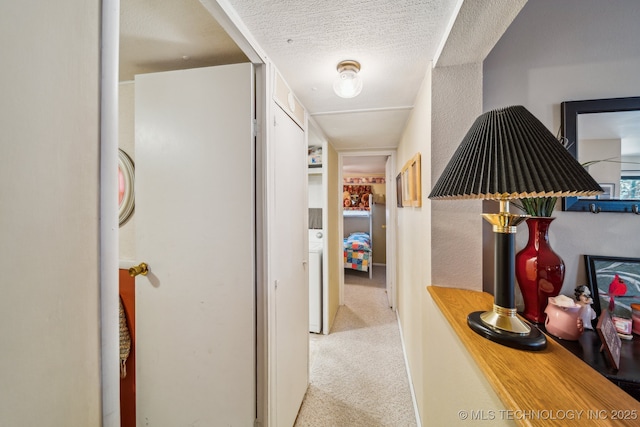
(406, 364)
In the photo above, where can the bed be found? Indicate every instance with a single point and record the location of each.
(357, 252)
(357, 228)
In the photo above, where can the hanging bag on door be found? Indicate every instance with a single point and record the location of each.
(125, 342)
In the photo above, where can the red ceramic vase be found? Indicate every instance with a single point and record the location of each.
(539, 270)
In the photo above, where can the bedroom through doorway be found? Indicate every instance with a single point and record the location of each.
(364, 220)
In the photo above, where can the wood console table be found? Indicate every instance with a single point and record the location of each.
(587, 348)
(553, 380)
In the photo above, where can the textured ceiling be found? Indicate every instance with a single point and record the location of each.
(393, 40)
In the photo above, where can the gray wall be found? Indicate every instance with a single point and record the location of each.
(566, 50)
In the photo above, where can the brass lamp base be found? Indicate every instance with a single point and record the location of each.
(506, 320)
(493, 329)
(502, 325)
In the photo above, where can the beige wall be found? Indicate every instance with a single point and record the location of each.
(456, 225)
(414, 241)
(538, 66)
(126, 141)
(49, 188)
(454, 381)
(441, 242)
(334, 240)
(379, 233)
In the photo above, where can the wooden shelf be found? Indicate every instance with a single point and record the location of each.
(553, 379)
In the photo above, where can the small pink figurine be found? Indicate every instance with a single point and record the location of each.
(583, 297)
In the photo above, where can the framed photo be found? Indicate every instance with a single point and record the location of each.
(399, 190)
(601, 271)
(609, 191)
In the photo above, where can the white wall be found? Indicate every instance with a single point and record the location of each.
(633, 167)
(594, 150)
(316, 191)
(49, 193)
(566, 50)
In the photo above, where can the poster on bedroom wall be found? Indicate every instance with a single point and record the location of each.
(356, 197)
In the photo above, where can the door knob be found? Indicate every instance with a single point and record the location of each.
(142, 268)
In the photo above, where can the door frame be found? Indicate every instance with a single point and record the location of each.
(224, 14)
(109, 235)
(390, 173)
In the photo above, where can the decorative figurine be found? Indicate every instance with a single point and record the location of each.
(583, 296)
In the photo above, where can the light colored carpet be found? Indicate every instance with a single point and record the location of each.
(355, 277)
(357, 372)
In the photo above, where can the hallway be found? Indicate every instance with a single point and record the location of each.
(357, 372)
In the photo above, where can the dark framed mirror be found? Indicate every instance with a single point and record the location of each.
(604, 135)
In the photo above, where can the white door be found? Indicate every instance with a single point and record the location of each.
(194, 221)
(290, 261)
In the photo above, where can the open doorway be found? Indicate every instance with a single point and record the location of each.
(367, 218)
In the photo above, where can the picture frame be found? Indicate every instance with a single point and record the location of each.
(399, 190)
(609, 338)
(609, 191)
(416, 180)
(412, 182)
(601, 270)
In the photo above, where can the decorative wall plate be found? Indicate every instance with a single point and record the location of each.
(126, 199)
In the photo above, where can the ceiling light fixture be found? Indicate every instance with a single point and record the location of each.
(348, 84)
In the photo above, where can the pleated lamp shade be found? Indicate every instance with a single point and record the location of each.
(509, 154)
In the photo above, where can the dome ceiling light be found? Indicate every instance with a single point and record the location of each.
(348, 84)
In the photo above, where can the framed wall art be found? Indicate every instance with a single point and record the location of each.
(399, 190)
(602, 271)
(416, 179)
(412, 182)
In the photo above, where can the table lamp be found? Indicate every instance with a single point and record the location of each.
(509, 154)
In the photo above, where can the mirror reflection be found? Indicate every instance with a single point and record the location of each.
(604, 136)
(609, 148)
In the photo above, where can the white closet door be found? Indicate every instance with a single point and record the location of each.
(195, 228)
(290, 263)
